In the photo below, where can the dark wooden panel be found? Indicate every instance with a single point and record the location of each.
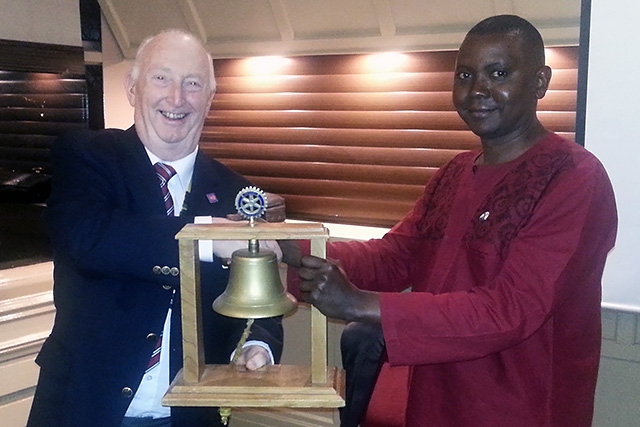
(17, 153)
(60, 86)
(65, 100)
(42, 94)
(36, 128)
(40, 57)
(42, 114)
(29, 141)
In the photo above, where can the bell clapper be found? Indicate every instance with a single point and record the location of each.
(225, 413)
(243, 339)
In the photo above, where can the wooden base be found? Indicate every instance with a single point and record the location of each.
(231, 386)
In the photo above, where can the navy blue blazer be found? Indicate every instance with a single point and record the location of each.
(110, 234)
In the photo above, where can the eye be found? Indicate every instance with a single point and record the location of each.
(160, 79)
(193, 85)
(463, 75)
(499, 74)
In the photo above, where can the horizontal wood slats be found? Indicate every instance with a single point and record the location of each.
(437, 120)
(414, 157)
(563, 79)
(560, 100)
(41, 57)
(35, 108)
(343, 142)
(320, 171)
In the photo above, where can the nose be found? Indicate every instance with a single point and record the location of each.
(176, 94)
(479, 87)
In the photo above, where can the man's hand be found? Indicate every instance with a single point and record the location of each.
(224, 249)
(326, 286)
(253, 357)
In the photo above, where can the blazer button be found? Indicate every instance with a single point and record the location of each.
(127, 392)
(174, 271)
(167, 287)
(166, 270)
(151, 337)
(157, 269)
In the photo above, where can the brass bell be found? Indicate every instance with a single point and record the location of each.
(255, 289)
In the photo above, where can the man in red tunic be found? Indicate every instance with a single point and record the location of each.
(504, 255)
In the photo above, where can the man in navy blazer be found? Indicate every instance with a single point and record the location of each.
(116, 275)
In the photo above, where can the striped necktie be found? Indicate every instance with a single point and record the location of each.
(165, 172)
(155, 356)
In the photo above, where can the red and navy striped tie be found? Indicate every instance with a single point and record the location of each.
(155, 356)
(165, 172)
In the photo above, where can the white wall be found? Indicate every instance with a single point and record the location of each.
(613, 120)
(50, 21)
(117, 111)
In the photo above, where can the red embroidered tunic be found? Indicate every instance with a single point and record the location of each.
(502, 327)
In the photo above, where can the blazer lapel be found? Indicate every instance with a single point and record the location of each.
(203, 184)
(140, 175)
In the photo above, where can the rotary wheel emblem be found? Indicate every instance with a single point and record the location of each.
(251, 202)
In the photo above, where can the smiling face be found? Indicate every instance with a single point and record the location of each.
(497, 85)
(171, 91)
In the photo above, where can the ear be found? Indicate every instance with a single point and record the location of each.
(543, 77)
(129, 87)
(213, 94)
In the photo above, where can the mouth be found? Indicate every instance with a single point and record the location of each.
(173, 116)
(480, 113)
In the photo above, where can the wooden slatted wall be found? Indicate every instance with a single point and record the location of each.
(42, 94)
(345, 142)
(34, 109)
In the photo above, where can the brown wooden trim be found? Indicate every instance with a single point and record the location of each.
(41, 57)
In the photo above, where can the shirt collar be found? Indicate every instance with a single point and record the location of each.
(183, 167)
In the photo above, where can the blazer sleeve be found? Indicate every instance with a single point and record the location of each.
(102, 214)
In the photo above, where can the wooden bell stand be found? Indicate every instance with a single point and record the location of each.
(230, 386)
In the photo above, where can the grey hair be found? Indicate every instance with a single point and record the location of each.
(143, 47)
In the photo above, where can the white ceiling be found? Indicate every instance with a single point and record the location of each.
(238, 28)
